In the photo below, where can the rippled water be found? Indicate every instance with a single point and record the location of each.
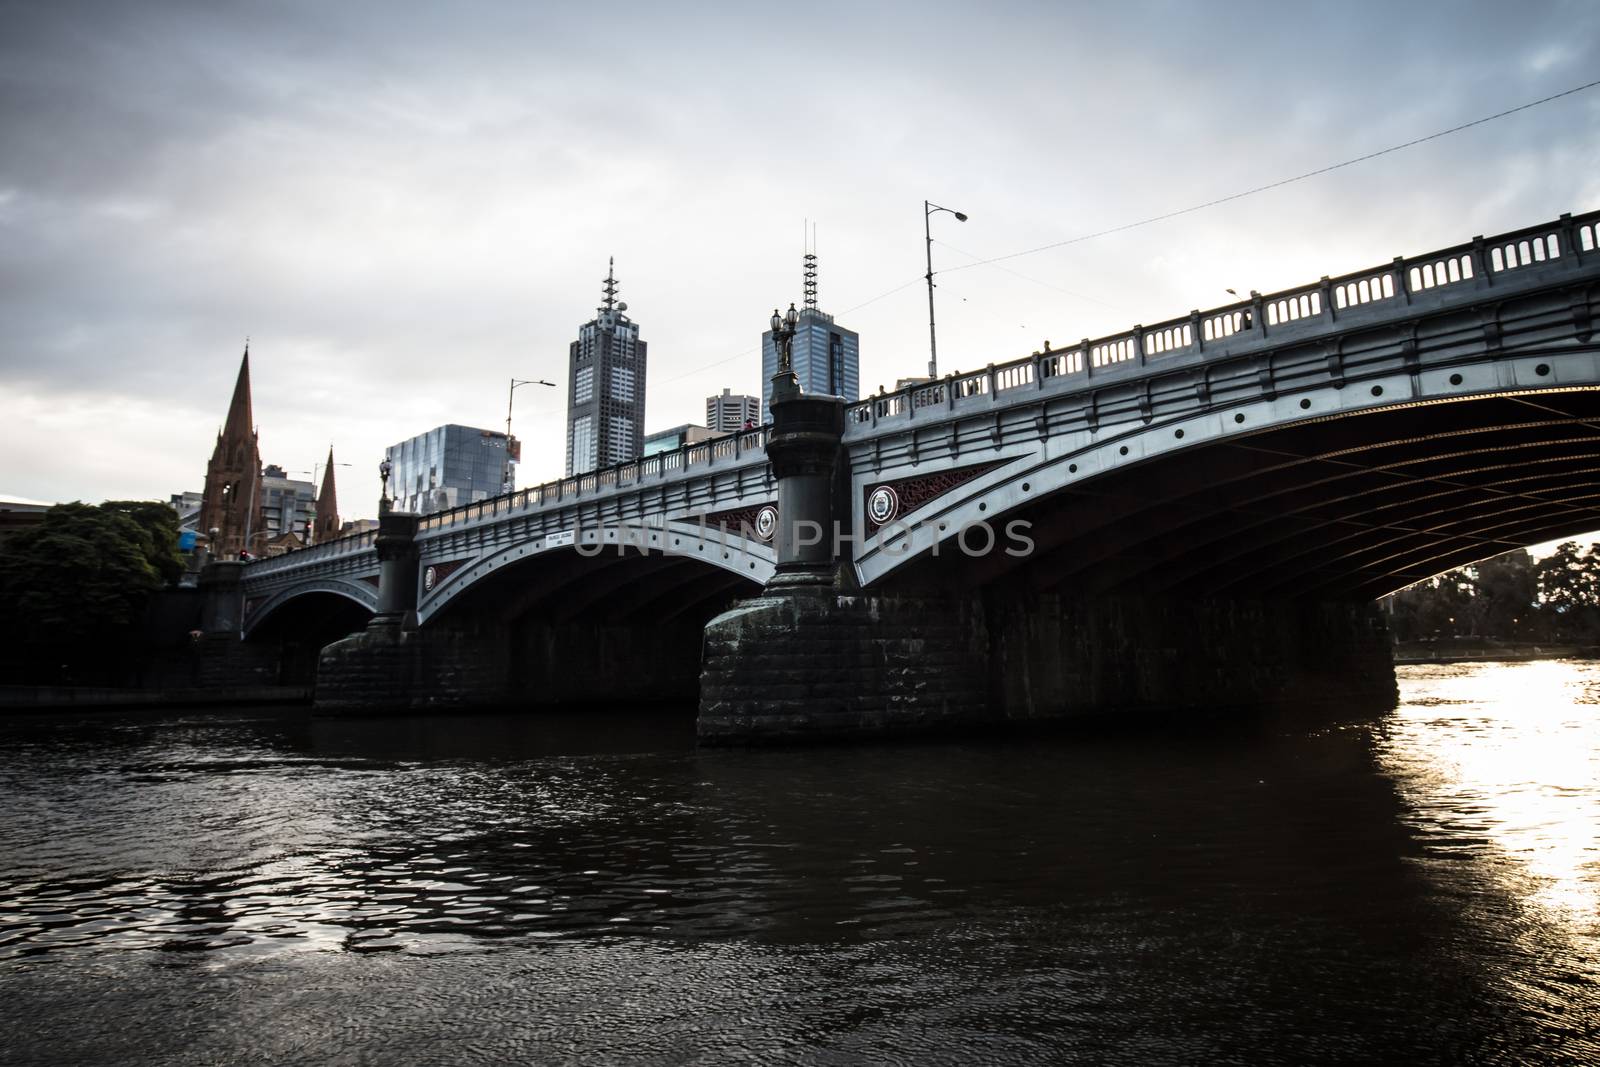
(259, 888)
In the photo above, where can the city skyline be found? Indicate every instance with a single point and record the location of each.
(401, 216)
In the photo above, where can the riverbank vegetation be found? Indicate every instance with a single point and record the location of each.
(1512, 598)
(77, 587)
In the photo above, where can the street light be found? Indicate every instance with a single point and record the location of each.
(785, 383)
(511, 395)
(384, 470)
(316, 470)
(928, 211)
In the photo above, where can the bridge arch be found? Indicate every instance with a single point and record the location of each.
(319, 590)
(741, 562)
(1336, 490)
(291, 629)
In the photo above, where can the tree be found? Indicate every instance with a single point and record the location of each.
(1569, 587)
(1505, 596)
(1496, 598)
(75, 586)
(159, 523)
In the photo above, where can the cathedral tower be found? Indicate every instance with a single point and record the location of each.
(231, 504)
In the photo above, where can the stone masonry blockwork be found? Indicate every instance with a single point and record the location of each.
(783, 668)
(820, 665)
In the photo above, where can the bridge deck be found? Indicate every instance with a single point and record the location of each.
(1190, 363)
(1459, 276)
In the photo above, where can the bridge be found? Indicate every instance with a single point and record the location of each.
(1190, 513)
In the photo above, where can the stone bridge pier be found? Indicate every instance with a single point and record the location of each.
(395, 665)
(815, 656)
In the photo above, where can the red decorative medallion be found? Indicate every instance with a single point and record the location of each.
(434, 574)
(738, 519)
(887, 501)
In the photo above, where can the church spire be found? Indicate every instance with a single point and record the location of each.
(326, 524)
(241, 421)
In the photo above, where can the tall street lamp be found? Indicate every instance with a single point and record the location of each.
(511, 395)
(785, 383)
(385, 468)
(928, 211)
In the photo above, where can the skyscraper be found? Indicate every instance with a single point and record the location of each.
(231, 502)
(827, 357)
(605, 402)
(729, 413)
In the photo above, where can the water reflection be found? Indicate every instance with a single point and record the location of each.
(265, 836)
(1423, 886)
(1497, 765)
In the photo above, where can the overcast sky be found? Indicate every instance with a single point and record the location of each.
(403, 206)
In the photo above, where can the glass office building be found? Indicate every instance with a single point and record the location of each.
(446, 466)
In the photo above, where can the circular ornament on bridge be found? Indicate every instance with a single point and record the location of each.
(766, 522)
(430, 578)
(883, 505)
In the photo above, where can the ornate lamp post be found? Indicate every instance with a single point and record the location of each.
(928, 211)
(785, 383)
(384, 470)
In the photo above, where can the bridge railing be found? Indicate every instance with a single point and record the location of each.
(340, 546)
(1224, 330)
(734, 447)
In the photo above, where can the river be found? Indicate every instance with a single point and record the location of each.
(247, 886)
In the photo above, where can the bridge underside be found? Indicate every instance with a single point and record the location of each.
(616, 587)
(613, 629)
(1346, 508)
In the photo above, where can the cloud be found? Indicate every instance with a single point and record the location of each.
(405, 207)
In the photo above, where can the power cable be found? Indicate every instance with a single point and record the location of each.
(1277, 184)
(1168, 215)
(1029, 278)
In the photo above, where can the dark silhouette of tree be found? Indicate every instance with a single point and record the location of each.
(1569, 589)
(76, 585)
(159, 523)
(1505, 597)
(1510, 597)
(1435, 608)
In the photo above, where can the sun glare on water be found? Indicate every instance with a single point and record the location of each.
(1499, 764)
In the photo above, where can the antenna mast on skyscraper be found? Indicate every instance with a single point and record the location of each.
(611, 285)
(811, 270)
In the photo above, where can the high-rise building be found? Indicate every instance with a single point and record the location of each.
(827, 357)
(287, 504)
(447, 466)
(605, 401)
(729, 413)
(232, 503)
